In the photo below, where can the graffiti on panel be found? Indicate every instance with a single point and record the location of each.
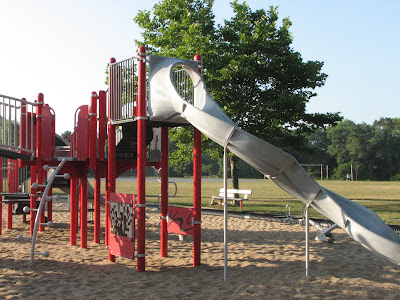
(122, 225)
(180, 220)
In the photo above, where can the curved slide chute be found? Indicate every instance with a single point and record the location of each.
(166, 105)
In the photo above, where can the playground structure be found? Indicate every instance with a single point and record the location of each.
(130, 119)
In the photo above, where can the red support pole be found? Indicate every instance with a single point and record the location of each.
(1, 197)
(50, 206)
(102, 123)
(83, 212)
(112, 160)
(93, 131)
(10, 188)
(40, 181)
(141, 160)
(73, 225)
(97, 181)
(197, 190)
(33, 198)
(111, 180)
(164, 191)
(22, 130)
(39, 162)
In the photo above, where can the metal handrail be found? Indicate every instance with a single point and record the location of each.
(14, 122)
(40, 209)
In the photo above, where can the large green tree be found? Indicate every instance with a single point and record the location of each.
(250, 68)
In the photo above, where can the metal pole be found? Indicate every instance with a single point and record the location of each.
(83, 209)
(73, 225)
(307, 239)
(97, 205)
(164, 191)
(93, 131)
(141, 160)
(322, 172)
(111, 180)
(225, 214)
(1, 197)
(352, 178)
(197, 191)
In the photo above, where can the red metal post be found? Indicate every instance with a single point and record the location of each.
(197, 190)
(1, 197)
(97, 204)
(111, 180)
(93, 131)
(33, 198)
(141, 160)
(102, 123)
(73, 225)
(111, 163)
(164, 191)
(50, 206)
(83, 212)
(39, 162)
(22, 130)
(10, 178)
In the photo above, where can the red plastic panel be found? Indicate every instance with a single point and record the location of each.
(48, 133)
(122, 227)
(180, 220)
(81, 133)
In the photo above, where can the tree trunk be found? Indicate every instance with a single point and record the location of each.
(235, 179)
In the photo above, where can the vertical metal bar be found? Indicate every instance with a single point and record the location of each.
(225, 215)
(9, 186)
(164, 191)
(16, 144)
(73, 228)
(322, 172)
(141, 161)
(111, 178)
(33, 199)
(83, 210)
(197, 193)
(9, 121)
(4, 123)
(93, 131)
(307, 239)
(1, 197)
(97, 204)
(102, 123)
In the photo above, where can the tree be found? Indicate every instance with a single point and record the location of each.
(385, 146)
(350, 146)
(66, 135)
(250, 67)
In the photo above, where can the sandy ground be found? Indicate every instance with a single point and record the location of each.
(266, 261)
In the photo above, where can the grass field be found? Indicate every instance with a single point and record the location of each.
(381, 197)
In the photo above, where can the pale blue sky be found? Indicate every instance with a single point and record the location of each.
(61, 48)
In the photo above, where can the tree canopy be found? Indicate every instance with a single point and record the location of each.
(373, 150)
(250, 68)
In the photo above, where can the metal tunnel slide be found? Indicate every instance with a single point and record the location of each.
(166, 105)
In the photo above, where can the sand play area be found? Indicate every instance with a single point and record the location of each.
(266, 261)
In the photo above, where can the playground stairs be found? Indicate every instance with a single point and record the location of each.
(62, 151)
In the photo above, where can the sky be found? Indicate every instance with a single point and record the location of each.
(62, 48)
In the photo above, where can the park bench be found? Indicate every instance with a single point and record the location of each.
(231, 196)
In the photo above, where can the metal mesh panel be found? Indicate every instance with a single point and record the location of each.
(122, 89)
(183, 84)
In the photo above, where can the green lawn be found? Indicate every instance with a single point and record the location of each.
(381, 197)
